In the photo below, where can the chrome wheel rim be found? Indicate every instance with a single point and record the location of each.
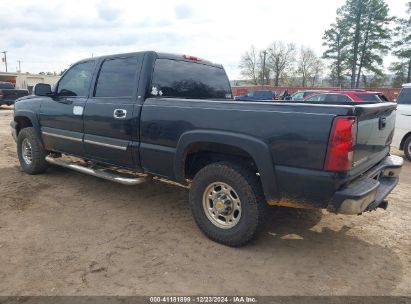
(409, 149)
(222, 205)
(27, 151)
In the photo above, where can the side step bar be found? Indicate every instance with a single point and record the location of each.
(98, 172)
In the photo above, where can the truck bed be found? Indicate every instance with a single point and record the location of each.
(296, 135)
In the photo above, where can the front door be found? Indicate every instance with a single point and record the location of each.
(110, 119)
(61, 116)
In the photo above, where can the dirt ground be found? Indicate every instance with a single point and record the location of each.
(64, 233)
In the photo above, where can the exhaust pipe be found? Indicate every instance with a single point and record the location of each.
(383, 205)
(97, 172)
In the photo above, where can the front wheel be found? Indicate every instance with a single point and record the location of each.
(227, 203)
(407, 148)
(31, 152)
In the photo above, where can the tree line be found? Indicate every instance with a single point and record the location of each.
(281, 61)
(355, 43)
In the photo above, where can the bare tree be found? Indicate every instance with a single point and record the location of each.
(263, 70)
(318, 69)
(249, 65)
(309, 66)
(281, 57)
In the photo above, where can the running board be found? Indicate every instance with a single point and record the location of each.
(97, 172)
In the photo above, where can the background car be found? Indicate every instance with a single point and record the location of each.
(8, 93)
(258, 95)
(402, 133)
(347, 96)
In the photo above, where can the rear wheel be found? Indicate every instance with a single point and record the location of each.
(227, 203)
(31, 152)
(407, 148)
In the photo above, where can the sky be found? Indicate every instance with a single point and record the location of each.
(49, 35)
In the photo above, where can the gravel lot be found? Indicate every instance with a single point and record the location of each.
(64, 233)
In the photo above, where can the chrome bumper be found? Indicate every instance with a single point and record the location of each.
(369, 191)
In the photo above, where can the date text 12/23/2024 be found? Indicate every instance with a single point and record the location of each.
(203, 299)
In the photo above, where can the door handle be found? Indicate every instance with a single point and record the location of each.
(120, 113)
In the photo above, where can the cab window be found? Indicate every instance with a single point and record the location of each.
(319, 97)
(117, 77)
(405, 96)
(76, 81)
(298, 96)
(182, 79)
(336, 98)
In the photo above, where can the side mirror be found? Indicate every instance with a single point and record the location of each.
(42, 89)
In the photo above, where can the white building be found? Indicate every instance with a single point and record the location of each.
(26, 80)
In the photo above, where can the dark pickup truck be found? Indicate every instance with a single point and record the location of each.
(8, 93)
(131, 117)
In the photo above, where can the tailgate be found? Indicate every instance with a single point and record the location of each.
(375, 130)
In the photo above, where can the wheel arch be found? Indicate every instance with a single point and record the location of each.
(230, 144)
(26, 119)
(404, 138)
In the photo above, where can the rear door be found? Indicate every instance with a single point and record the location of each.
(109, 118)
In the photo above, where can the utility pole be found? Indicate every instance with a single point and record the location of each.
(5, 58)
(264, 54)
(19, 61)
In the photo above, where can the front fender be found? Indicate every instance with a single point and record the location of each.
(256, 148)
(29, 106)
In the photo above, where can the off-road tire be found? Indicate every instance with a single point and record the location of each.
(253, 206)
(38, 153)
(407, 145)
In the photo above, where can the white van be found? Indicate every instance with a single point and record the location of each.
(402, 133)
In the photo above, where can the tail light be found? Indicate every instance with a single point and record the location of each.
(340, 151)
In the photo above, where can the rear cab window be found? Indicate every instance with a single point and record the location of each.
(194, 80)
(405, 96)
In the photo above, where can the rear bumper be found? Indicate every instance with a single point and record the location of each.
(369, 191)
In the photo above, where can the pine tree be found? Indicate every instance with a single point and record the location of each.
(361, 37)
(336, 44)
(402, 46)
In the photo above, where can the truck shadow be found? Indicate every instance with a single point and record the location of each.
(300, 252)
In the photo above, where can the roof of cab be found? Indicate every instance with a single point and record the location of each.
(162, 56)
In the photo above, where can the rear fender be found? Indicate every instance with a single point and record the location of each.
(257, 149)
